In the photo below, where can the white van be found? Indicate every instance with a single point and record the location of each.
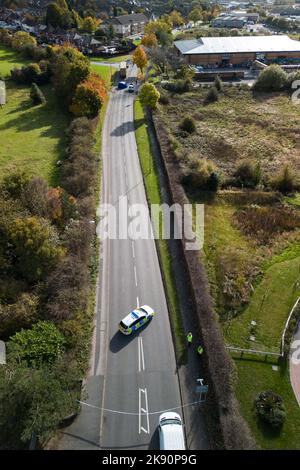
(171, 435)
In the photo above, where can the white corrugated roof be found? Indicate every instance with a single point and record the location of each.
(221, 45)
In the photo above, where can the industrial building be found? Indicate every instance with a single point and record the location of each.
(238, 50)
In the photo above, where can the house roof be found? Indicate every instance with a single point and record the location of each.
(134, 18)
(238, 44)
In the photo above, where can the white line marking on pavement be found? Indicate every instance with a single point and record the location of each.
(135, 276)
(141, 354)
(143, 412)
(137, 302)
(133, 253)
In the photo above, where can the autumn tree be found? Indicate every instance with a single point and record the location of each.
(22, 39)
(149, 95)
(139, 58)
(195, 15)
(90, 24)
(162, 30)
(176, 18)
(89, 97)
(149, 40)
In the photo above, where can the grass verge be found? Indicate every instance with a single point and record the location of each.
(154, 197)
(255, 377)
(10, 59)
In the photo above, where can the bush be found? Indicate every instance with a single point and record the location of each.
(248, 174)
(201, 174)
(218, 83)
(164, 99)
(270, 409)
(43, 343)
(179, 86)
(36, 95)
(20, 314)
(272, 78)
(211, 96)
(14, 184)
(285, 182)
(188, 125)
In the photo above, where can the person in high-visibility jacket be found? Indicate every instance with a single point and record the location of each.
(189, 338)
(200, 350)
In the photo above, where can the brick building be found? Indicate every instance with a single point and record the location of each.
(238, 50)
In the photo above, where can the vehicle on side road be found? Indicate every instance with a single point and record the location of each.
(131, 88)
(171, 435)
(136, 319)
(123, 70)
(122, 85)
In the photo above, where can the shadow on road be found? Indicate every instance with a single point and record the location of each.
(154, 443)
(123, 129)
(120, 341)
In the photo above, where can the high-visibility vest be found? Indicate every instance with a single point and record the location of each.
(190, 337)
(200, 350)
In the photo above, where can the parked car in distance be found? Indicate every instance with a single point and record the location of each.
(122, 85)
(171, 435)
(131, 88)
(136, 319)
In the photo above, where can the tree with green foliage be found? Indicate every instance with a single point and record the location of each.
(195, 15)
(176, 18)
(69, 68)
(37, 95)
(33, 401)
(270, 408)
(43, 343)
(272, 78)
(35, 247)
(21, 39)
(149, 95)
(90, 24)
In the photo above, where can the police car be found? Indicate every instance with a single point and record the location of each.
(136, 319)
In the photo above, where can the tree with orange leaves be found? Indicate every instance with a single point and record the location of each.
(140, 58)
(89, 97)
(149, 40)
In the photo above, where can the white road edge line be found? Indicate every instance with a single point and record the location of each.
(135, 276)
(137, 302)
(133, 253)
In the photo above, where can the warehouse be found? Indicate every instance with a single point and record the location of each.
(238, 50)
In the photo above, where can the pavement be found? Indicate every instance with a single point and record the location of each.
(295, 363)
(132, 379)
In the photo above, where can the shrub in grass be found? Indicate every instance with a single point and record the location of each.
(37, 95)
(164, 99)
(270, 408)
(188, 125)
(211, 96)
(272, 78)
(248, 174)
(201, 174)
(218, 83)
(285, 181)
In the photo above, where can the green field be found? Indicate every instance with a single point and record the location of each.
(255, 377)
(32, 137)
(106, 72)
(111, 60)
(9, 60)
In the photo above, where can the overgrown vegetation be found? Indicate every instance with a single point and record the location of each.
(252, 235)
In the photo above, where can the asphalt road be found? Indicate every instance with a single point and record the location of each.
(132, 379)
(140, 370)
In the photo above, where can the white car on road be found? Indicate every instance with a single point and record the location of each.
(171, 435)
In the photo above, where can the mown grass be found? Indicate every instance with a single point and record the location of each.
(32, 137)
(107, 73)
(111, 60)
(154, 197)
(255, 377)
(9, 60)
